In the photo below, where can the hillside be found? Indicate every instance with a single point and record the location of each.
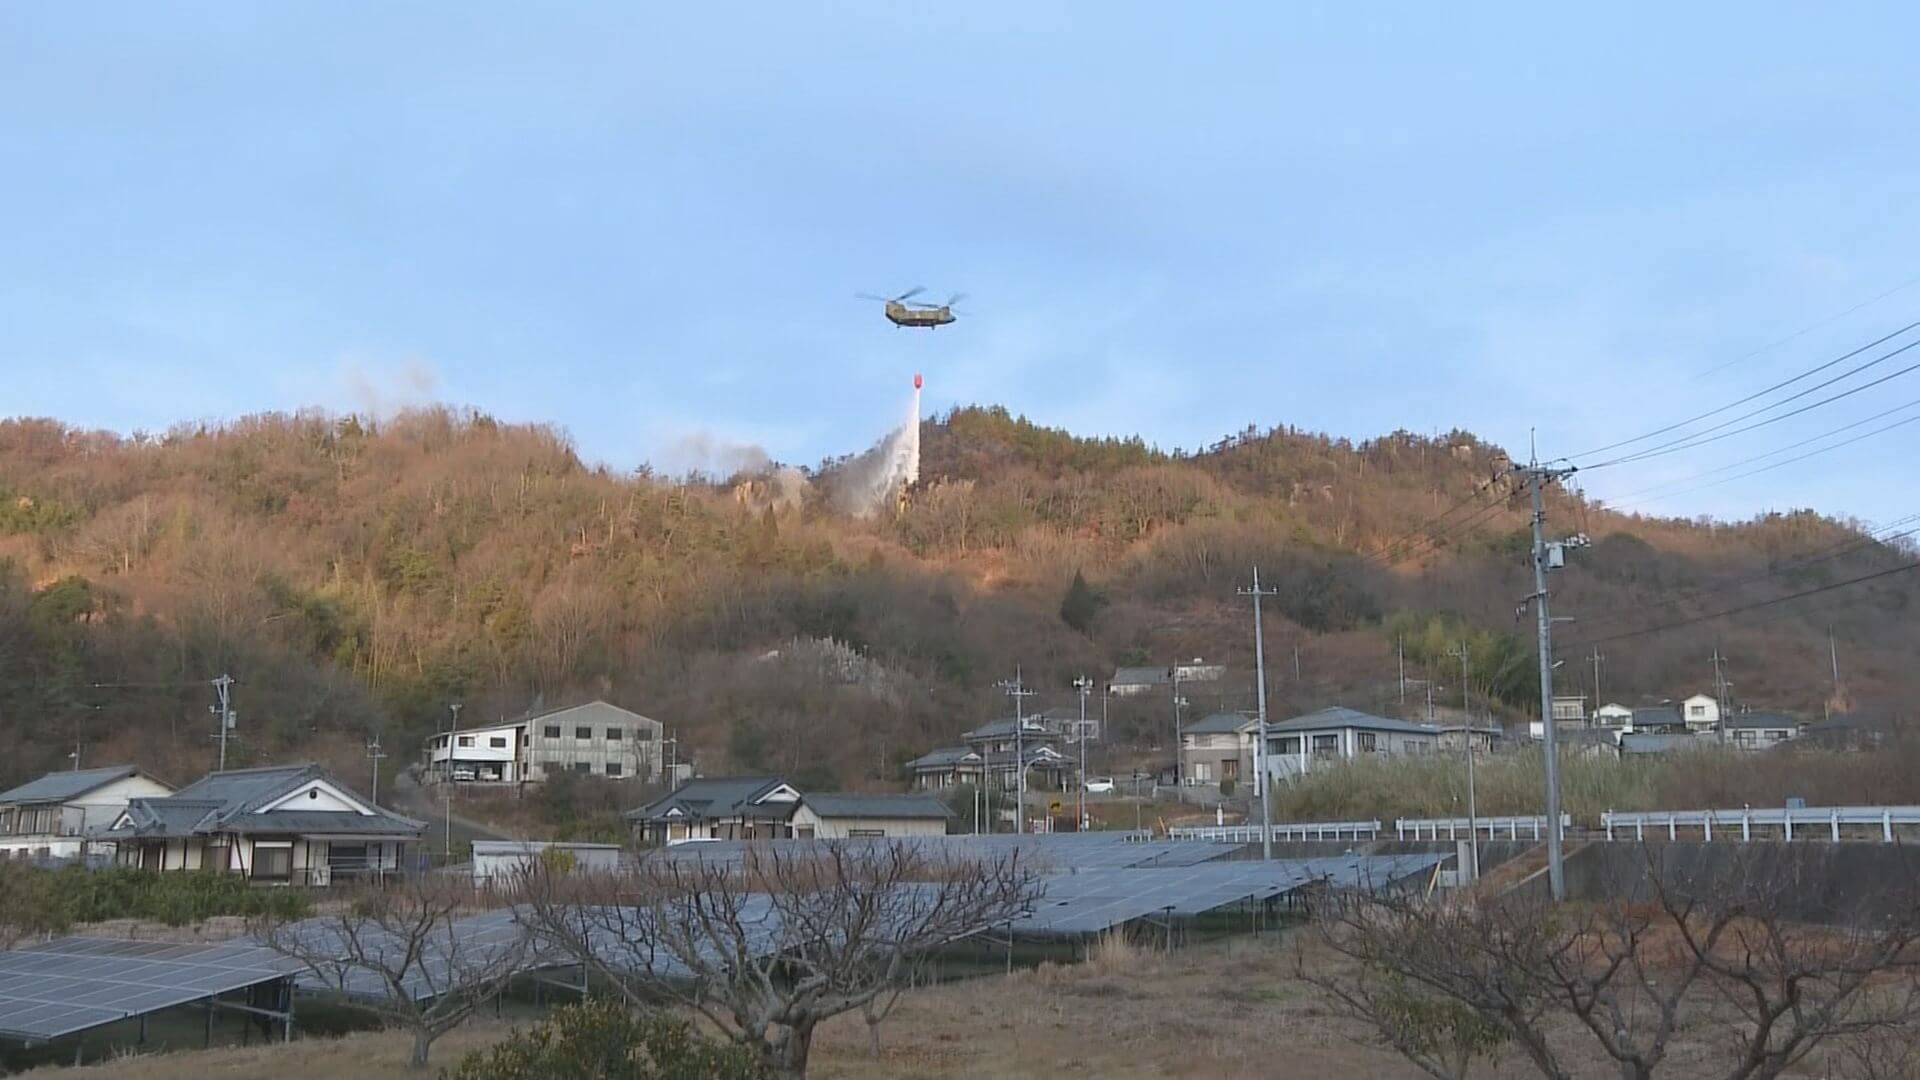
(358, 576)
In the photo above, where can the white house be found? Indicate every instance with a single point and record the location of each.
(1338, 735)
(840, 816)
(287, 825)
(1760, 730)
(1701, 713)
(720, 808)
(499, 862)
(56, 815)
(1613, 715)
(595, 739)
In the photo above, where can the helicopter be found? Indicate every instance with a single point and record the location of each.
(902, 310)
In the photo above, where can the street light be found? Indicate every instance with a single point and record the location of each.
(1085, 686)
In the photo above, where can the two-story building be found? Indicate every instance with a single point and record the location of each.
(284, 824)
(58, 815)
(1701, 713)
(1218, 748)
(1039, 744)
(947, 767)
(595, 739)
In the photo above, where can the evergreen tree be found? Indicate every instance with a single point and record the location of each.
(1082, 603)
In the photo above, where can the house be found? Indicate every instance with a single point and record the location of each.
(1702, 713)
(1657, 720)
(595, 739)
(949, 766)
(54, 816)
(1453, 738)
(1848, 731)
(1133, 681)
(498, 862)
(1039, 741)
(720, 808)
(1334, 735)
(1569, 709)
(840, 816)
(284, 824)
(1645, 744)
(1760, 730)
(1217, 749)
(1613, 715)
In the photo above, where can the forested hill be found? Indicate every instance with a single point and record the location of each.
(358, 576)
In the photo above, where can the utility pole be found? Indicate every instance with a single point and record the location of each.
(1296, 662)
(223, 687)
(448, 780)
(1596, 658)
(1179, 752)
(1719, 695)
(375, 754)
(1473, 810)
(1537, 478)
(1400, 651)
(1084, 685)
(1018, 692)
(1262, 781)
(1833, 654)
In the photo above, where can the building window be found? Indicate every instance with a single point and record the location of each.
(1369, 742)
(498, 742)
(1696, 710)
(466, 740)
(552, 731)
(1289, 745)
(583, 766)
(1326, 744)
(583, 733)
(866, 832)
(613, 734)
(273, 863)
(613, 768)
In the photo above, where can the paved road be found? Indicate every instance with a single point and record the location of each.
(411, 798)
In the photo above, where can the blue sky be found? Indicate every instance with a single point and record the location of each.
(646, 223)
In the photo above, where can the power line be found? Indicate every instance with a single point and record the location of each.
(1616, 504)
(1677, 624)
(1805, 330)
(1841, 359)
(1690, 441)
(1779, 464)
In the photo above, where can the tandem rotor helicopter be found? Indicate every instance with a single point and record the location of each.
(903, 310)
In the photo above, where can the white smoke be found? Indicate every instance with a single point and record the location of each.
(381, 390)
(874, 479)
(711, 455)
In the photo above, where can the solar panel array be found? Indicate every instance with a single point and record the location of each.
(1091, 901)
(473, 943)
(77, 983)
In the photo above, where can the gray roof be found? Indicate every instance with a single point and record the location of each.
(61, 786)
(1220, 723)
(842, 805)
(1035, 725)
(1139, 676)
(1656, 714)
(1639, 743)
(230, 801)
(1339, 716)
(710, 798)
(1762, 720)
(945, 757)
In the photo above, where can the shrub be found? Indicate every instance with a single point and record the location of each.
(602, 1040)
(41, 901)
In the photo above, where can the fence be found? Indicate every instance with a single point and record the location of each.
(1287, 830)
(1495, 828)
(1747, 819)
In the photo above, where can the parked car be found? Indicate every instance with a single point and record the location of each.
(463, 774)
(1099, 785)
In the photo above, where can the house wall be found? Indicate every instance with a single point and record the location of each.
(1700, 712)
(840, 828)
(480, 754)
(1347, 743)
(554, 745)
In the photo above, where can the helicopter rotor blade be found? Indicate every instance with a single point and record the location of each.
(915, 291)
(954, 299)
(870, 296)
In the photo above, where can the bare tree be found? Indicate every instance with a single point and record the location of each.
(769, 947)
(402, 952)
(1730, 954)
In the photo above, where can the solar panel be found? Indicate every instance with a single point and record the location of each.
(77, 983)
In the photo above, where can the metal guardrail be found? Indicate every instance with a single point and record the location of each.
(1746, 819)
(1495, 828)
(1282, 830)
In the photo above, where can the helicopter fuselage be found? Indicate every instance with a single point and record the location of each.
(905, 315)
